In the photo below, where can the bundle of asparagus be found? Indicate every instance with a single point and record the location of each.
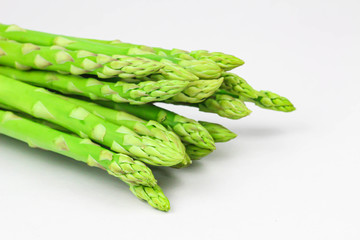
(92, 100)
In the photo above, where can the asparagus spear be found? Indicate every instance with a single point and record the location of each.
(25, 56)
(152, 129)
(202, 67)
(224, 105)
(153, 195)
(134, 93)
(197, 91)
(195, 152)
(84, 150)
(218, 132)
(189, 130)
(40, 103)
(237, 86)
(224, 61)
(139, 177)
(206, 68)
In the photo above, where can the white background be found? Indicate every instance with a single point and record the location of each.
(286, 176)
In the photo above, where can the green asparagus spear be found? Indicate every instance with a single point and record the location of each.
(153, 195)
(171, 71)
(185, 163)
(197, 91)
(205, 68)
(224, 61)
(136, 174)
(189, 130)
(134, 93)
(224, 105)
(84, 150)
(152, 129)
(272, 101)
(237, 86)
(40, 103)
(195, 152)
(218, 132)
(25, 56)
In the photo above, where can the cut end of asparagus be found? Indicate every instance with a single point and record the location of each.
(153, 195)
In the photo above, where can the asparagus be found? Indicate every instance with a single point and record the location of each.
(237, 86)
(25, 56)
(224, 105)
(205, 68)
(218, 132)
(189, 130)
(153, 195)
(84, 150)
(171, 71)
(195, 152)
(224, 61)
(40, 103)
(152, 129)
(197, 91)
(139, 93)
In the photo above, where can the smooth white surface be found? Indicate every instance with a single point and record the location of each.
(286, 176)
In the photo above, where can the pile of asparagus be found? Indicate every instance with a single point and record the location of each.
(92, 100)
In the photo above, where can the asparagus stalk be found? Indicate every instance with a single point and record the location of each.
(237, 86)
(205, 68)
(224, 105)
(25, 56)
(40, 103)
(84, 150)
(189, 130)
(151, 129)
(134, 93)
(170, 72)
(197, 91)
(153, 195)
(185, 163)
(218, 132)
(195, 152)
(224, 61)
